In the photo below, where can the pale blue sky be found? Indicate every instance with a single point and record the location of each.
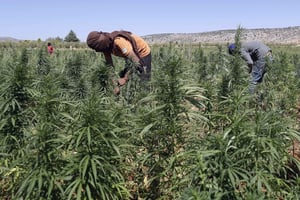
(33, 19)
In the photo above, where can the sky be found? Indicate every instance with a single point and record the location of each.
(44, 19)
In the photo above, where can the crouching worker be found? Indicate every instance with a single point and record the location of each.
(126, 45)
(257, 55)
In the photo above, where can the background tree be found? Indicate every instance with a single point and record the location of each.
(71, 37)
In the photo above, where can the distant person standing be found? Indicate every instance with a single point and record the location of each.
(126, 45)
(50, 48)
(257, 55)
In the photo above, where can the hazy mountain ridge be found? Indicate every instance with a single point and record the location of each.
(4, 39)
(289, 35)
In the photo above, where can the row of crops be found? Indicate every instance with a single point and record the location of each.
(193, 132)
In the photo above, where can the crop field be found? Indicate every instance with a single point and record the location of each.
(192, 133)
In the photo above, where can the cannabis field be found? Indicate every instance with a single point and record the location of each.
(192, 133)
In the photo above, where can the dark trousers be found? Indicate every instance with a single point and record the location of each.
(146, 74)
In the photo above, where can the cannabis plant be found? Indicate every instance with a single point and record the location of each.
(43, 161)
(94, 168)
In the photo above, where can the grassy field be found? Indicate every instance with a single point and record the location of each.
(193, 132)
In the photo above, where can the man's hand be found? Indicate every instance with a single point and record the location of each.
(122, 81)
(117, 90)
(249, 68)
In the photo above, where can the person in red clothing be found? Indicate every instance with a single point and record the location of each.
(50, 48)
(123, 44)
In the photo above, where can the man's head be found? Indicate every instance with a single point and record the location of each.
(99, 41)
(231, 48)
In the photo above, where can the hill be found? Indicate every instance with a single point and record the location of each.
(288, 35)
(4, 39)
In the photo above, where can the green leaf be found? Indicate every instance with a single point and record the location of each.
(84, 165)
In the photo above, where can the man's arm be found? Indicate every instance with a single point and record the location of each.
(246, 56)
(108, 59)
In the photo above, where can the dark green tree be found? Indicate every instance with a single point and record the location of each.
(71, 37)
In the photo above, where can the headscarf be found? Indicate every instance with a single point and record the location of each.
(99, 41)
(103, 41)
